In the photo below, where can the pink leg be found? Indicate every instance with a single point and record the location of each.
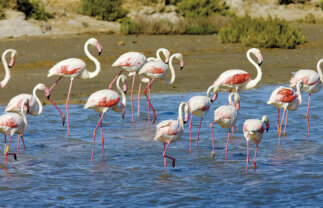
(211, 127)
(18, 143)
(138, 111)
(165, 156)
(102, 139)
(94, 134)
(6, 151)
(254, 161)
(285, 123)
(198, 134)
(149, 104)
(22, 139)
(226, 148)
(278, 121)
(247, 160)
(307, 114)
(5, 141)
(281, 125)
(190, 127)
(148, 99)
(67, 101)
(114, 80)
(131, 95)
(55, 83)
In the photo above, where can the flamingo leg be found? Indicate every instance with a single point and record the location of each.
(166, 156)
(285, 123)
(5, 141)
(211, 127)
(114, 80)
(278, 121)
(138, 111)
(307, 114)
(190, 127)
(148, 99)
(247, 160)
(281, 125)
(22, 139)
(198, 134)
(67, 102)
(131, 95)
(102, 139)
(254, 161)
(18, 143)
(6, 152)
(55, 83)
(226, 148)
(94, 134)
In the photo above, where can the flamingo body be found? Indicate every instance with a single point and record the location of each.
(71, 67)
(15, 103)
(131, 61)
(311, 80)
(199, 105)
(284, 97)
(169, 131)
(226, 116)
(155, 68)
(232, 79)
(12, 123)
(102, 100)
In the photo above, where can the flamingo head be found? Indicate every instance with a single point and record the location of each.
(266, 121)
(182, 64)
(95, 42)
(123, 112)
(236, 98)
(166, 53)
(13, 58)
(26, 104)
(257, 53)
(216, 91)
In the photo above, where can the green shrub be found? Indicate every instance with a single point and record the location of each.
(2, 14)
(261, 32)
(33, 9)
(321, 4)
(291, 1)
(202, 8)
(110, 10)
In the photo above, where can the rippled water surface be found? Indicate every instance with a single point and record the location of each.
(55, 169)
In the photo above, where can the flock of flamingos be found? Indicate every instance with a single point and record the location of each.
(150, 69)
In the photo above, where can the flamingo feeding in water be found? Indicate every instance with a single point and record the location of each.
(312, 83)
(35, 106)
(285, 97)
(73, 68)
(253, 129)
(239, 79)
(170, 131)
(226, 116)
(6, 66)
(13, 123)
(104, 100)
(158, 70)
(200, 106)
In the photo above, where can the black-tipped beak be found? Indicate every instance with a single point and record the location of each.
(181, 68)
(100, 53)
(259, 64)
(166, 62)
(9, 66)
(185, 122)
(267, 130)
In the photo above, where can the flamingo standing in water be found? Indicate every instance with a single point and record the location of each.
(73, 68)
(170, 131)
(35, 106)
(312, 83)
(200, 106)
(13, 123)
(158, 70)
(253, 129)
(104, 100)
(226, 116)
(6, 66)
(239, 79)
(285, 97)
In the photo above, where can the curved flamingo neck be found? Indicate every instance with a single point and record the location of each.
(319, 70)
(180, 114)
(230, 99)
(40, 106)
(23, 114)
(6, 69)
(86, 74)
(123, 96)
(254, 82)
(208, 92)
(171, 68)
(158, 52)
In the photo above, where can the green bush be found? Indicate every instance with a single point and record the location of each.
(110, 10)
(321, 4)
(202, 8)
(33, 9)
(291, 1)
(261, 32)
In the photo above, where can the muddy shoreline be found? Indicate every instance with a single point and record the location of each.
(205, 58)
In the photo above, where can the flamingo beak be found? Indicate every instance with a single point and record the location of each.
(125, 88)
(260, 59)
(238, 106)
(28, 108)
(267, 126)
(167, 60)
(182, 64)
(99, 47)
(123, 112)
(12, 63)
(215, 96)
(186, 118)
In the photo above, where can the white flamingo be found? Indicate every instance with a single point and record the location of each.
(104, 100)
(312, 83)
(6, 66)
(254, 129)
(170, 131)
(72, 68)
(200, 106)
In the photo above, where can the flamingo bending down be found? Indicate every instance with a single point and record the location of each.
(312, 83)
(158, 70)
(6, 66)
(72, 68)
(285, 97)
(170, 131)
(35, 106)
(236, 78)
(200, 106)
(13, 123)
(226, 116)
(253, 129)
(104, 100)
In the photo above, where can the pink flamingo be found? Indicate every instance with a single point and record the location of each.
(312, 83)
(170, 131)
(104, 100)
(158, 70)
(253, 129)
(226, 116)
(35, 106)
(6, 66)
(73, 68)
(285, 97)
(236, 78)
(200, 106)
(13, 123)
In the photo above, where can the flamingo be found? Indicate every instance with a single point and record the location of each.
(36, 107)
(72, 68)
(239, 79)
(104, 100)
(13, 123)
(253, 129)
(6, 66)
(157, 70)
(226, 116)
(200, 106)
(285, 97)
(312, 83)
(170, 131)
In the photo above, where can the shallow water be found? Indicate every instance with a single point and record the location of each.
(55, 169)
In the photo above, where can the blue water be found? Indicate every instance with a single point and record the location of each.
(55, 169)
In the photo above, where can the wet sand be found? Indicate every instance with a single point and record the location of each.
(205, 58)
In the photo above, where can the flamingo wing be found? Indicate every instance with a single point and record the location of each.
(285, 95)
(103, 98)
(131, 61)
(199, 103)
(232, 77)
(309, 77)
(9, 121)
(156, 67)
(14, 104)
(67, 67)
(253, 125)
